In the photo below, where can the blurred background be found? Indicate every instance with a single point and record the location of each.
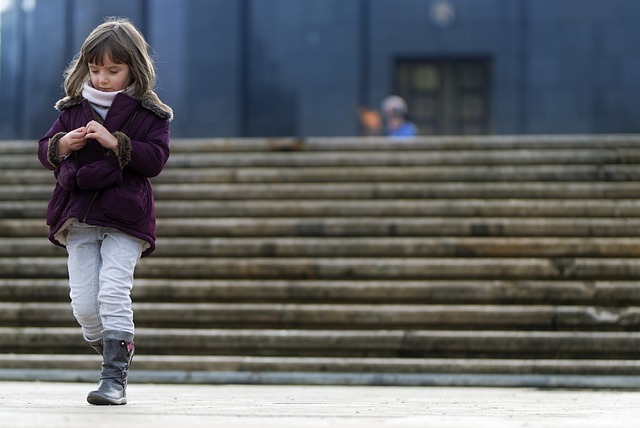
(241, 68)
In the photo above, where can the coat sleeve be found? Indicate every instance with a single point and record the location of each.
(149, 155)
(47, 146)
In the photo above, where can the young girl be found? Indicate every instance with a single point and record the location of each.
(112, 134)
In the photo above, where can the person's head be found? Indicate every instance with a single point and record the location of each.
(115, 46)
(394, 107)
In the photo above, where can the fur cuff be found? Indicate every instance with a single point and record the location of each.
(124, 149)
(52, 150)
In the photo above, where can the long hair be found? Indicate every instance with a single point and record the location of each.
(124, 44)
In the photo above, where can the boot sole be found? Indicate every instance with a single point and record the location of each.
(101, 400)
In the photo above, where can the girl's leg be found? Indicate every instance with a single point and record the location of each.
(84, 266)
(120, 253)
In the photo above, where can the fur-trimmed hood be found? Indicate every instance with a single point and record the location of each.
(150, 101)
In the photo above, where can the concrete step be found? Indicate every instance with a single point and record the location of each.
(615, 190)
(432, 174)
(454, 142)
(385, 226)
(391, 191)
(343, 343)
(585, 208)
(402, 158)
(367, 227)
(335, 316)
(392, 157)
(357, 268)
(357, 255)
(359, 247)
(240, 364)
(406, 174)
(616, 149)
(392, 291)
(400, 247)
(404, 268)
(476, 142)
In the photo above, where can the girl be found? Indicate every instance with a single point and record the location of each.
(112, 134)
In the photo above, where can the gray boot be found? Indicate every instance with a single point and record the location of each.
(117, 356)
(96, 345)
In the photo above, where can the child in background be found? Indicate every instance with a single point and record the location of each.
(111, 136)
(396, 115)
(393, 121)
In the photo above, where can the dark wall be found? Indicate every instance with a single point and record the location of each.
(301, 67)
(583, 66)
(199, 52)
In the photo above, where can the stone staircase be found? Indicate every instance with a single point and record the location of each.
(451, 260)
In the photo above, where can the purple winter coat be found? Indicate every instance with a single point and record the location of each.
(97, 187)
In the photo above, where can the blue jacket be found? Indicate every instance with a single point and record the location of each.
(408, 129)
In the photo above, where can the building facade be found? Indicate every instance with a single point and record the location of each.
(234, 68)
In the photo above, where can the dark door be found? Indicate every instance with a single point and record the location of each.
(447, 96)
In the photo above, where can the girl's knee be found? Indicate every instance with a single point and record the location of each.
(86, 316)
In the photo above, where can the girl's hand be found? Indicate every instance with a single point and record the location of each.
(72, 141)
(99, 133)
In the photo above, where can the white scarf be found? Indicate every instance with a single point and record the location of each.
(99, 100)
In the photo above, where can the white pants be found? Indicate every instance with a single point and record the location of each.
(101, 264)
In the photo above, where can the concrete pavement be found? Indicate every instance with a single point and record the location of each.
(52, 405)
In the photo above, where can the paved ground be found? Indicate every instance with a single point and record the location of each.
(52, 405)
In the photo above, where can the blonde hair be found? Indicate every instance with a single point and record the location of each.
(123, 43)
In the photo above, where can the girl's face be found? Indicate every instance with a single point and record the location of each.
(109, 77)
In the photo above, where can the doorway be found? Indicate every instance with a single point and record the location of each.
(447, 96)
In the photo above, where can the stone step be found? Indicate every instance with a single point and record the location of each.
(349, 268)
(625, 190)
(392, 191)
(392, 291)
(585, 208)
(393, 174)
(432, 174)
(392, 157)
(400, 247)
(404, 268)
(26, 176)
(400, 208)
(366, 227)
(359, 247)
(322, 250)
(455, 142)
(384, 226)
(343, 343)
(335, 316)
(241, 364)
(400, 158)
(493, 142)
